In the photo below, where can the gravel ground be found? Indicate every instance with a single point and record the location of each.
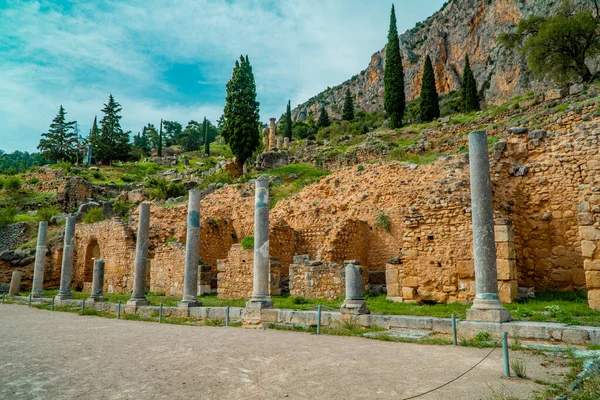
(46, 355)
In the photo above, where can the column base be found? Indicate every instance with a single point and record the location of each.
(259, 304)
(355, 307)
(96, 299)
(189, 304)
(138, 302)
(37, 295)
(64, 295)
(488, 310)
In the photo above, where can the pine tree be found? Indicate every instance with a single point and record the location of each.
(58, 144)
(470, 98)
(206, 138)
(394, 100)
(348, 112)
(429, 105)
(288, 122)
(113, 142)
(160, 140)
(324, 120)
(241, 112)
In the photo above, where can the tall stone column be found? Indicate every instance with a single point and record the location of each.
(66, 272)
(265, 134)
(272, 133)
(15, 283)
(138, 297)
(487, 305)
(260, 293)
(355, 291)
(98, 281)
(192, 251)
(40, 260)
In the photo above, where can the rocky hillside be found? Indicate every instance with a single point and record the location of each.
(461, 26)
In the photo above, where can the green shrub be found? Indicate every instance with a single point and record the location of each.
(46, 213)
(12, 184)
(248, 242)
(7, 215)
(97, 174)
(299, 300)
(383, 222)
(161, 189)
(518, 367)
(65, 166)
(93, 215)
(360, 168)
(482, 337)
(33, 181)
(121, 208)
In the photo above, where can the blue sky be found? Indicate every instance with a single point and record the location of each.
(171, 59)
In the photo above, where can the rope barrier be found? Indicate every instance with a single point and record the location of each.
(458, 377)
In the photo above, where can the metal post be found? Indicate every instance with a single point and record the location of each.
(505, 353)
(319, 320)
(52, 304)
(160, 313)
(119, 309)
(30, 299)
(82, 306)
(227, 316)
(454, 341)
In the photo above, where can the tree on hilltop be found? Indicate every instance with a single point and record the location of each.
(287, 130)
(348, 111)
(470, 98)
(113, 143)
(59, 143)
(240, 128)
(429, 104)
(206, 138)
(559, 45)
(394, 100)
(324, 120)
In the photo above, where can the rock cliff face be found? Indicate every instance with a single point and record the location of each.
(460, 27)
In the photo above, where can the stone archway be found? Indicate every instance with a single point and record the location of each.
(92, 252)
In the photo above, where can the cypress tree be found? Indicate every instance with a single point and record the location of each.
(59, 143)
(348, 112)
(113, 142)
(394, 100)
(288, 122)
(241, 112)
(430, 106)
(206, 142)
(160, 140)
(470, 98)
(323, 121)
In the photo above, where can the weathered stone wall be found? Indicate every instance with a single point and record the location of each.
(316, 279)
(167, 269)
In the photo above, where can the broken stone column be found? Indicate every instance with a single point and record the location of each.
(265, 134)
(487, 305)
(98, 281)
(66, 272)
(40, 260)
(279, 142)
(192, 253)
(15, 283)
(260, 293)
(138, 297)
(354, 303)
(286, 142)
(272, 133)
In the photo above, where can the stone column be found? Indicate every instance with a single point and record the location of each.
(192, 253)
(15, 283)
(272, 133)
(355, 291)
(98, 281)
(286, 142)
(487, 305)
(138, 297)
(260, 293)
(265, 134)
(279, 142)
(66, 272)
(40, 260)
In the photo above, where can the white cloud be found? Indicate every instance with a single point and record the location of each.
(77, 56)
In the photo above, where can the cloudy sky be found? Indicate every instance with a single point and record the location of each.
(171, 59)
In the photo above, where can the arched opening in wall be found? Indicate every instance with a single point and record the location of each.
(92, 252)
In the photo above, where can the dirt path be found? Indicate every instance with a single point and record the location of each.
(45, 355)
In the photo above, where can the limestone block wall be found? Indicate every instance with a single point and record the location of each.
(316, 280)
(167, 269)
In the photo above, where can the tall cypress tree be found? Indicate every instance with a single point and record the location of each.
(113, 142)
(348, 111)
(288, 122)
(323, 121)
(430, 106)
(394, 99)
(241, 112)
(470, 98)
(160, 140)
(59, 143)
(206, 138)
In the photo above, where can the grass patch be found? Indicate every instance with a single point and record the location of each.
(248, 242)
(93, 215)
(294, 178)
(383, 222)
